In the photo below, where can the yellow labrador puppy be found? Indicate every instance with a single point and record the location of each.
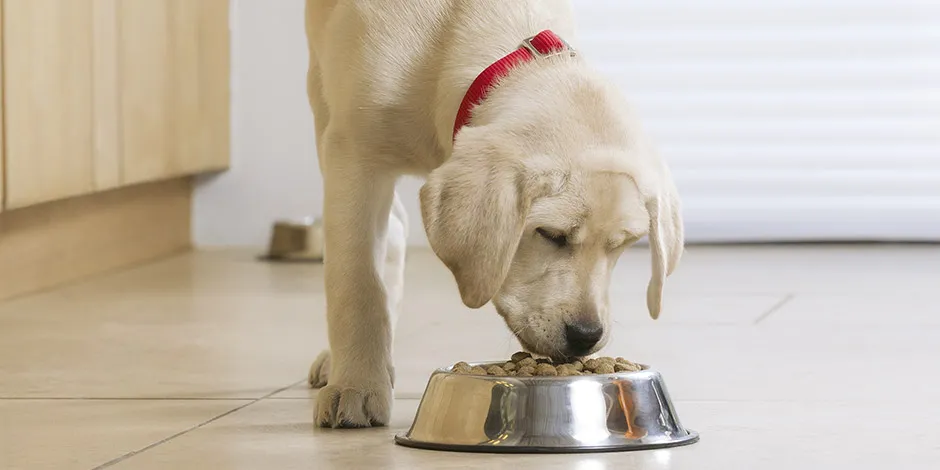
(537, 175)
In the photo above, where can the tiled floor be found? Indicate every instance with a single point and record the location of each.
(782, 357)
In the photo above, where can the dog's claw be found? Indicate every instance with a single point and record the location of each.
(319, 374)
(353, 407)
(350, 403)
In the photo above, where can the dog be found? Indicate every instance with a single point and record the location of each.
(532, 192)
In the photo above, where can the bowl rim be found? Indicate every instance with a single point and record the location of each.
(448, 370)
(404, 440)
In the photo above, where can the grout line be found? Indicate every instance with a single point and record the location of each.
(192, 428)
(773, 309)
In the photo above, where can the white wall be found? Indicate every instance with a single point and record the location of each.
(781, 119)
(274, 172)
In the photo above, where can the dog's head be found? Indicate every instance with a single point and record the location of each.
(539, 233)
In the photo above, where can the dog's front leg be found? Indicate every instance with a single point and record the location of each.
(395, 247)
(356, 210)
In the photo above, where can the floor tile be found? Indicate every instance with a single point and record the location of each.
(693, 309)
(166, 330)
(277, 434)
(82, 434)
(885, 309)
(804, 364)
(234, 346)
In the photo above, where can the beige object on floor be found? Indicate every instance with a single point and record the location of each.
(300, 240)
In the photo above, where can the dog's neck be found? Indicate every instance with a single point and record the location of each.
(557, 107)
(525, 90)
(471, 44)
(542, 46)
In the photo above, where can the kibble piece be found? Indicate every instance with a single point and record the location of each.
(628, 363)
(620, 367)
(524, 364)
(520, 356)
(606, 360)
(545, 370)
(633, 365)
(527, 362)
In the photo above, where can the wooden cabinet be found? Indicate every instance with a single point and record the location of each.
(106, 114)
(174, 87)
(48, 100)
(2, 143)
(101, 94)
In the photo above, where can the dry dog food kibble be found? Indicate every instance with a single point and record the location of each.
(520, 356)
(545, 370)
(523, 364)
(527, 362)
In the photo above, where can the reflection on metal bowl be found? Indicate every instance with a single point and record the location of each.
(590, 413)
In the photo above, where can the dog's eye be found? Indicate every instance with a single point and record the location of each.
(558, 239)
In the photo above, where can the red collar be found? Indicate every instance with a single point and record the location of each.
(544, 44)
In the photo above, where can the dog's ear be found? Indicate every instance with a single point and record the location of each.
(474, 208)
(666, 238)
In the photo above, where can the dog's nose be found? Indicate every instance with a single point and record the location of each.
(582, 336)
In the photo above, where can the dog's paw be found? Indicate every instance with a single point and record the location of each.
(353, 405)
(320, 370)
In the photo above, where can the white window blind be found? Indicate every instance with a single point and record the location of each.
(784, 120)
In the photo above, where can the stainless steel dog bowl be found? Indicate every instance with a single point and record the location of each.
(590, 413)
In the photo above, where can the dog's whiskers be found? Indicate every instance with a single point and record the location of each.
(516, 332)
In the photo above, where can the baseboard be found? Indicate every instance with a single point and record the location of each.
(63, 241)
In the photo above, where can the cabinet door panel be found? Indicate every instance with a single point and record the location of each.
(48, 100)
(144, 53)
(106, 93)
(174, 60)
(2, 144)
